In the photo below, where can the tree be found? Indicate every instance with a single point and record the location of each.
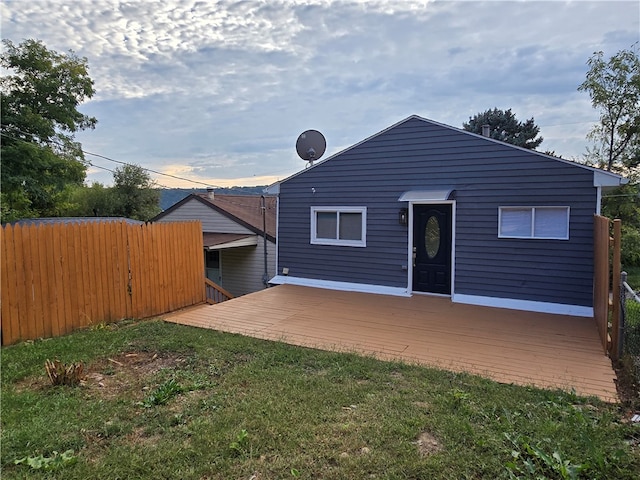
(94, 201)
(504, 126)
(39, 116)
(614, 89)
(135, 193)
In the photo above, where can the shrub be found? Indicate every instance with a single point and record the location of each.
(62, 374)
(630, 254)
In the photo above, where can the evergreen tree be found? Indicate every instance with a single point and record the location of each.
(504, 126)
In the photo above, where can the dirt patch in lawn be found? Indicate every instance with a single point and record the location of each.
(427, 444)
(110, 377)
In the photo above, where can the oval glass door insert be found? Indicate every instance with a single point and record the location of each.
(432, 237)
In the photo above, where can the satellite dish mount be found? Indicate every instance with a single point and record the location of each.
(311, 146)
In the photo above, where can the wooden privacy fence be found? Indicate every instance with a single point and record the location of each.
(59, 277)
(606, 279)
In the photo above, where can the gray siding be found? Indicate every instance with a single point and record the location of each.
(243, 267)
(212, 221)
(417, 155)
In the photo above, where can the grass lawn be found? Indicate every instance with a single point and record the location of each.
(164, 401)
(633, 277)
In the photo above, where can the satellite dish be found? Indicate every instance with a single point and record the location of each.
(311, 145)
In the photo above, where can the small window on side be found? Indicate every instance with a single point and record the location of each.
(340, 226)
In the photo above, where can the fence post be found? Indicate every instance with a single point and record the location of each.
(615, 288)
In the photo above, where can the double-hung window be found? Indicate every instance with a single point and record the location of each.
(534, 222)
(344, 226)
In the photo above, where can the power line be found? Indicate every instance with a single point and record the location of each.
(109, 170)
(149, 169)
(115, 161)
(101, 168)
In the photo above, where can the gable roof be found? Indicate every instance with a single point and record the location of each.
(246, 210)
(601, 177)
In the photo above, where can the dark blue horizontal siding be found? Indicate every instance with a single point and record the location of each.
(486, 175)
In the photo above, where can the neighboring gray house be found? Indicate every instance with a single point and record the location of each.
(423, 207)
(233, 236)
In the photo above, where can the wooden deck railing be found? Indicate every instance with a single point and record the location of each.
(215, 293)
(607, 271)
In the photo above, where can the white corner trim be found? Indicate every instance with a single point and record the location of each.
(526, 305)
(343, 286)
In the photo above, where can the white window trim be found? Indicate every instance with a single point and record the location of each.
(337, 242)
(533, 219)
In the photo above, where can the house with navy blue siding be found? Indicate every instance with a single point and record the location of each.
(426, 208)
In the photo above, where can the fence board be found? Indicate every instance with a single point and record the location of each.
(64, 300)
(56, 278)
(616, 270)
(137, 270)
(196, 260)
(88, 267)
(97, 272)
(47, 281)
(38, 294)
(148, 272)
(158, 248)
(73, 275)
(10, 305)
(123, 269)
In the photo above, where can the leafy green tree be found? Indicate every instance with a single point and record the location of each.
(614, 88)
(40, 158)
(135, 193)
(94, 201)
(624, 203)
(504, 126)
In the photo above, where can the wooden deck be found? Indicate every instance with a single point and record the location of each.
(509, 346)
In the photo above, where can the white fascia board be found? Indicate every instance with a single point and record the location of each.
(525, 305)
(342, 286)
(243, 242)
(608, 179)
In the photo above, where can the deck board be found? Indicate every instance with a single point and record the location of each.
(509, 346)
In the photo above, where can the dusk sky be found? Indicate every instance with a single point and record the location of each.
(218, 91)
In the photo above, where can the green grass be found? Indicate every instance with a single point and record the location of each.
(633, 277)
(164, 401)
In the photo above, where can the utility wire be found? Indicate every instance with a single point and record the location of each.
(113, 160)
(149, 169)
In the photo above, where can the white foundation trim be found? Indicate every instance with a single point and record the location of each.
(344, 286)
(526, 305)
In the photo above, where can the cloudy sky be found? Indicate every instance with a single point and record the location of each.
(218, 91)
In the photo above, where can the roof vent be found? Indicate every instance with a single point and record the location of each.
(486, 130)
(210, 194)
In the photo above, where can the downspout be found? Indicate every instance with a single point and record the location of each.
(265, 276)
